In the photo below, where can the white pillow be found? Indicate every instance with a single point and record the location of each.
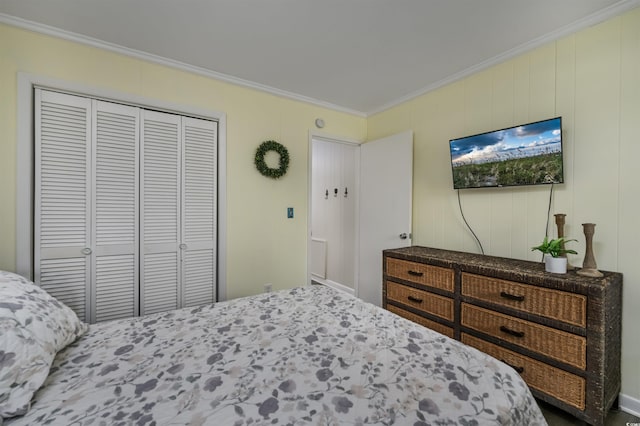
(34, 326)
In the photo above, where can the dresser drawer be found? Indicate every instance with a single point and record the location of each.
(436, 326)
(433, 276)
(556, 344)
(554, 304)
(427, 302)
(557, 383)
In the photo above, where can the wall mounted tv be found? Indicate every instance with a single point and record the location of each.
(529, 154)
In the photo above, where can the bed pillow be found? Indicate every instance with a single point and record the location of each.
(34, 326)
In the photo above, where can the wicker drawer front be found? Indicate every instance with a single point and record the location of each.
(419, 273)
(440, 328)
(556, 344)
(427, 302)
(557, 383)
(554, 304)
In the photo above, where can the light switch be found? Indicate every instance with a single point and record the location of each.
(289, 212)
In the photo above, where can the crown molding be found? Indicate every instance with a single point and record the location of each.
(148, 57)
(593, 19)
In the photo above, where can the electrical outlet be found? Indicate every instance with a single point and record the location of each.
(268, 288)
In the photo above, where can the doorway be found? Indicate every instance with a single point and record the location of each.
(360, 202)
(333, 213)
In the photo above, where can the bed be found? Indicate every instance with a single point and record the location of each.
(309, 355)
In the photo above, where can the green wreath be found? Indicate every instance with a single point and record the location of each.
(262, 166)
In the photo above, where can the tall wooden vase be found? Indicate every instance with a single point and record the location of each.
(589, 266)
(560, 225)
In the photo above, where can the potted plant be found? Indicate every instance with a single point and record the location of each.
(554, 250)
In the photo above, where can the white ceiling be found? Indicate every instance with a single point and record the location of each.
(359, 56)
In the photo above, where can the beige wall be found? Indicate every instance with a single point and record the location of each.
(263, 246)
(592, 80)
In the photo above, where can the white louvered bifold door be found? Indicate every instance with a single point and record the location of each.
(125, 219)
(62, 237)
(160, 267)
(199, 207)
(115, 179)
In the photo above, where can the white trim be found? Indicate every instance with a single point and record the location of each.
(335, 285)
(222, 209)
(593, 19)
(316, 134)
(138, 54)
(24, 161)
(24, 177)
(629, 404)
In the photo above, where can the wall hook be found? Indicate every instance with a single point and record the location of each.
(326, 194)
(345, 192)
(335, 192)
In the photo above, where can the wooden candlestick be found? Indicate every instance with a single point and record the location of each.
(560, 225)
(589, 267)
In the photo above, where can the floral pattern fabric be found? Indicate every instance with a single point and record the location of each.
(306, 356)
(34, 326)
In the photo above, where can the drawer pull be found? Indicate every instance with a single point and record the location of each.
(511, 332)
(414, 299)
(511, 296)
(415, 273)
(519, 370)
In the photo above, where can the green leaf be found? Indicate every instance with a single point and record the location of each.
(554, 247)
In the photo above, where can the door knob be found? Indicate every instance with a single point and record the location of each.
(403, 236)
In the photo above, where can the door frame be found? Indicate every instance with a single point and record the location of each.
(25, 166)
(315, 135)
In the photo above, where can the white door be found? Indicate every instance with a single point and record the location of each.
(386, 185)
(62, 217)
(199, 224)
(125, 207)
(178, 212)
(86, 215)
(160, 266)
(115, 211)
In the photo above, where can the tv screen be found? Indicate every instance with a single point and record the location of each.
(529, 154)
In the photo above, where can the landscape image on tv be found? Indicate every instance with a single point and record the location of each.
(529, 154)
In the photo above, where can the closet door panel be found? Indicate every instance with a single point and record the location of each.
(66, 278)
(115, 180)
(62, 237)
(199, 173)
(160, 282)
(116, 287)
(160, 212)
(199, 282)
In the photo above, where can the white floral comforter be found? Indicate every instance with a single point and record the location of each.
(296, 357)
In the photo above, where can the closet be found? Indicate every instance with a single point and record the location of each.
(125, 207)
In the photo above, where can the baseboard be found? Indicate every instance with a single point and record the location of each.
(334, 285)
(629, 405)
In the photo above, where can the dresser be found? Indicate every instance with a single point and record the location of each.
(560, 332)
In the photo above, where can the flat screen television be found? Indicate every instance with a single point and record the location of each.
(529, 154)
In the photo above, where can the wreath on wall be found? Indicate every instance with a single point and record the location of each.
(261, 165)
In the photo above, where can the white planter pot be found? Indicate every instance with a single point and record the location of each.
(556, 265)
